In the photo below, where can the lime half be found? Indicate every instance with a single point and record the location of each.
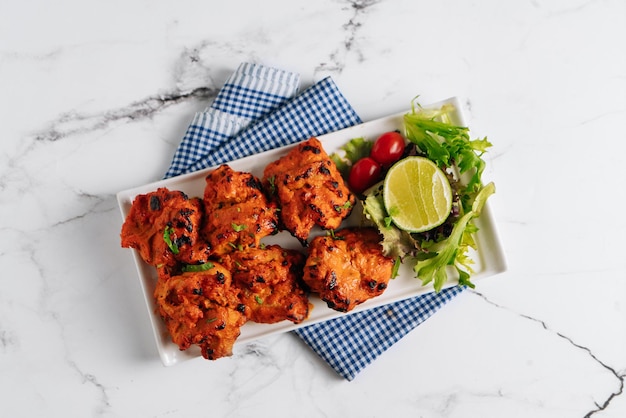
(417, 194)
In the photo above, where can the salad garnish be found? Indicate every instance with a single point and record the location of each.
(429, 133)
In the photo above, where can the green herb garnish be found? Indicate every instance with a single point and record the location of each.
(167, 237)
(331, 233)
(198, 267)
(396, 267)
(345, 206)
(272, 182)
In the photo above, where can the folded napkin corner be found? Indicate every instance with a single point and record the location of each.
(349, 343)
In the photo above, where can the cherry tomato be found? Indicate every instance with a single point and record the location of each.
(364, 173)
(388, 148)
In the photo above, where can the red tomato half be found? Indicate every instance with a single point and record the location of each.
(388, 148)
(364, 173)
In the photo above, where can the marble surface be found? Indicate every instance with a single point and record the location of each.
(97, 95)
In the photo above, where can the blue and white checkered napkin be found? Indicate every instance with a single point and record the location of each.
(258, 109)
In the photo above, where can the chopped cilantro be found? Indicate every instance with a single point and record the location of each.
(272, 182)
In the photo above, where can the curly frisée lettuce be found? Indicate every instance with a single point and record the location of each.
(353, 150)
(449, 146)
(396, 243)
(453, 250)
(434, 254)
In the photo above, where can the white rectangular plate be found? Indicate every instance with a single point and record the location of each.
(489, 257)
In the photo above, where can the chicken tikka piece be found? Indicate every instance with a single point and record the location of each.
(309, 190)
(269, 280)
(238, 213)
(164, 227)
(201, 308)
(348, 267)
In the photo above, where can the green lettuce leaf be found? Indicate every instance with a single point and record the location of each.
(350, 153)
(453, 250)
(396, 243)
(448, 146)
